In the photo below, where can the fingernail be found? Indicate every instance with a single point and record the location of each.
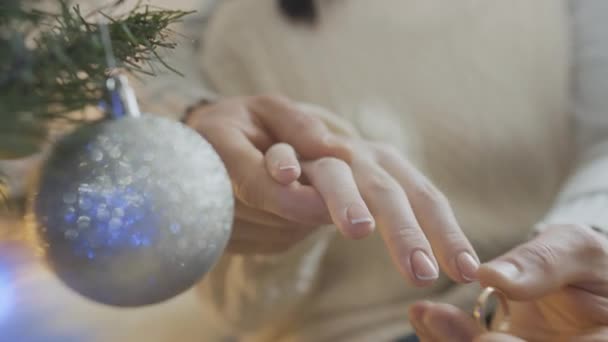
(424, 268)
(467, 265)
(357, 214)
(506, 269)
(287, 167)
(362, 223)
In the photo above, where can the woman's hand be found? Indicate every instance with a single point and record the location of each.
(557, 284)
(378, 186)
(270, 216)
(348, 181)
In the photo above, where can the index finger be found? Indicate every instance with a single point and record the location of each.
(253, 184)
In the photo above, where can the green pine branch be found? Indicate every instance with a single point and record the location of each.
(52, 64)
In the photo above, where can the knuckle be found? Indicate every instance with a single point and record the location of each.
(407, 232)
(346, 149)
(585, 241)
(330, 163)
(542, 254)
(593, 244)
(349, 147)
(455, 240)
(283, 147)
(428, 194)
(386, 150)
(307, 122)
(380, 183)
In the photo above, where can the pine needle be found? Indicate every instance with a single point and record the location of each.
(65, 70)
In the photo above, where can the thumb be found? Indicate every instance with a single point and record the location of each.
(558, 257)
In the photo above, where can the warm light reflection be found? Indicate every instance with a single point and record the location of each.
(6, 294)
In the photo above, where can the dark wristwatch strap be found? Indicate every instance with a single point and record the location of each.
(193, 107)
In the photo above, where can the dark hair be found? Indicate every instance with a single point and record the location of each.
(299, 10)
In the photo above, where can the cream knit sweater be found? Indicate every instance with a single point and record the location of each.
(476, 93)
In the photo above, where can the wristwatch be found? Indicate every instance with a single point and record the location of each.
(193, 107)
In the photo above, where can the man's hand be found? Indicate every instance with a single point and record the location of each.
(557, 284)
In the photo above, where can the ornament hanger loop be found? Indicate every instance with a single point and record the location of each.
(122, 96)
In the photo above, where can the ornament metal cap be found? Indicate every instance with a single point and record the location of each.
(122, 96)
(132, 211)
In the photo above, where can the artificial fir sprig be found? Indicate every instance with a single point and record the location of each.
(52, 64)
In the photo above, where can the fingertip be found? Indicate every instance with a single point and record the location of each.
(282, 163)
(424, 268)
(357, 231)
(487, 276)
(410, 277)
(357, 223)
(499, 270)
(285, 173)
(504, 276)
(415, 266)
(467, 266)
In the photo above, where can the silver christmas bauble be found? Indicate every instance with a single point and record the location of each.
(133, 211)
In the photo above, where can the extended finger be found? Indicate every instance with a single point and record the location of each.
(334, 181)
(434, 213)
(407, 244)
(282, 163)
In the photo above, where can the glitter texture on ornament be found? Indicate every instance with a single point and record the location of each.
(136, 210)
